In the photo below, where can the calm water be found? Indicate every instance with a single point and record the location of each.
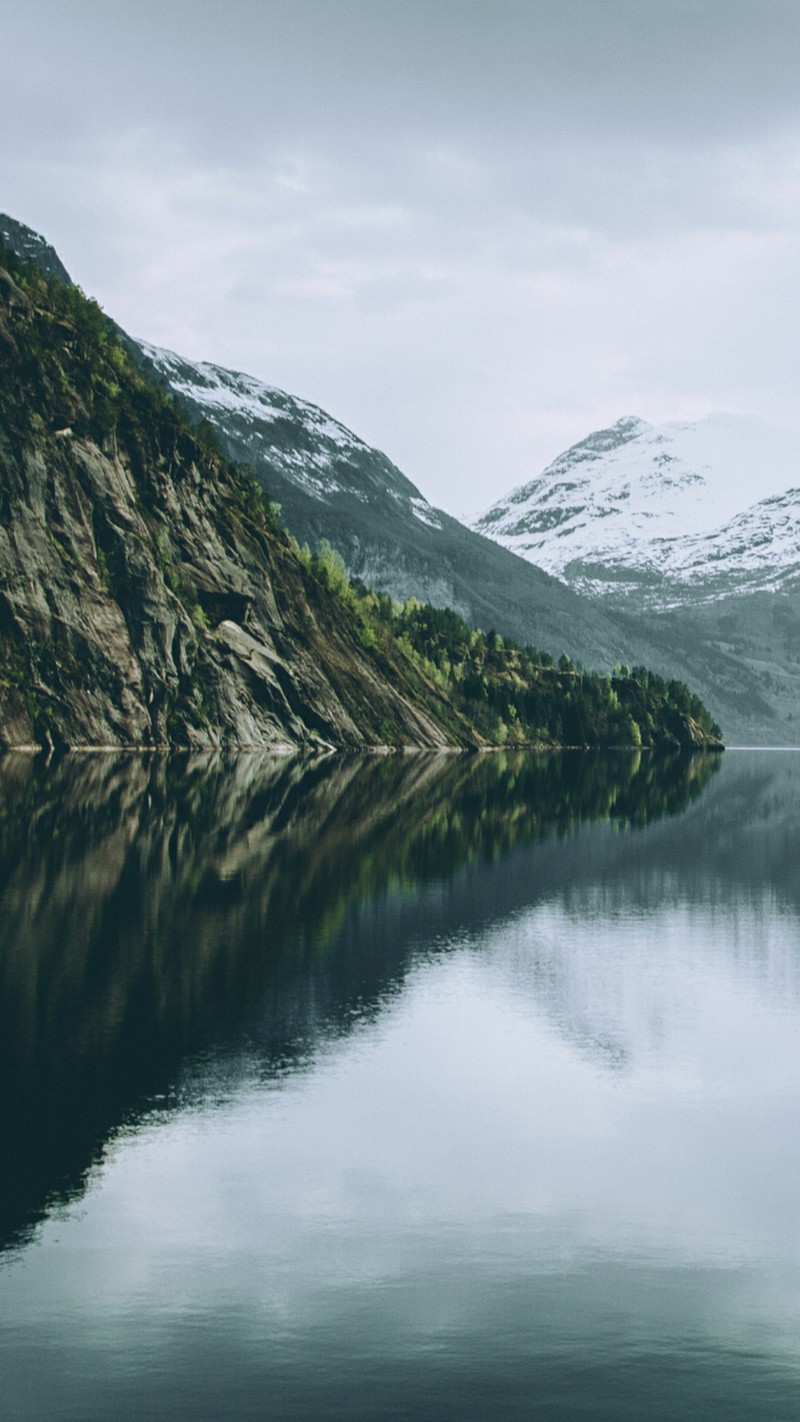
(414, 1087)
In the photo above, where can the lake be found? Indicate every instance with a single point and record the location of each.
(418, 1086)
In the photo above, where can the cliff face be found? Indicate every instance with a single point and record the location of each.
(146, 595)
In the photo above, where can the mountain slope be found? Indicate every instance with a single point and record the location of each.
(665, 515)
(148, 595)
(756, 551)
(332, 485)
(144, 596)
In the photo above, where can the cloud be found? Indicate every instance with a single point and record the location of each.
(471, 233)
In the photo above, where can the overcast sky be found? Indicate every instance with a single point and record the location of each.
(473, 230)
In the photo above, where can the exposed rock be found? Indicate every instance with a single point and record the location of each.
(12, 296)
(144, 597)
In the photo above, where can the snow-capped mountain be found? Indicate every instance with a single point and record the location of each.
(756, 551)
(303, 443)
(666, 513)
(331, 484)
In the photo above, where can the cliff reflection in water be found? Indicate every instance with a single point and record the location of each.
(163, 916)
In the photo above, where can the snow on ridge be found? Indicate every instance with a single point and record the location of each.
(757, 550)
(591, 449)
(423, 511)
(244, 395)
(669, 497)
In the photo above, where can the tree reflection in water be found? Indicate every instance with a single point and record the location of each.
(161, 911)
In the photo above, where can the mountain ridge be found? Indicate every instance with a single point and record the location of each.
(391, 538)
(146, 596)
(149, 596)
(665, 513)
(396, 541)
(343, 490)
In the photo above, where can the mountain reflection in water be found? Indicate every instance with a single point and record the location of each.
(428, 1087)
(166, 916)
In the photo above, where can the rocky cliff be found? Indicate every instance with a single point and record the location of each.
(147, 596)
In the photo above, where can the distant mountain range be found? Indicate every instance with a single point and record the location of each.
(663, 516)
(331, 484)
(697, 524)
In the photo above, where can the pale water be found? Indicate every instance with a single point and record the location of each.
(411, 1087)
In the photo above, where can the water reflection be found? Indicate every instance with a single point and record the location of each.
(433, 1087)
(159, 912)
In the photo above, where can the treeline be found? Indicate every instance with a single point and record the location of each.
(517, 695)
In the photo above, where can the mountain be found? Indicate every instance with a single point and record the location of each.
(663, 516)
(146, 596)
(697, 524)
(332, 485)
(32, 247)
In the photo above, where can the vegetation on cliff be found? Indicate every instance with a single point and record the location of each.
(517, 695)
(148, 594)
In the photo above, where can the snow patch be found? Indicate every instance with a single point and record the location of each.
(233, 392)
(422, 510)
(677, 500)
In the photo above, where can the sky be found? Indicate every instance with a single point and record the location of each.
(472, 230)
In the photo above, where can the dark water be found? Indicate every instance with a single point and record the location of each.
(414, 1087)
